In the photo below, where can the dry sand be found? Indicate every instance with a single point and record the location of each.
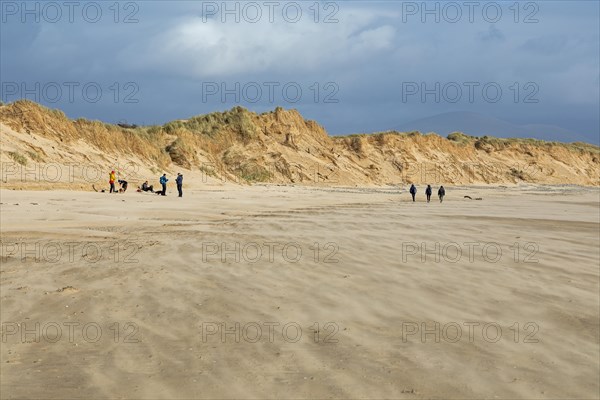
(162, 287)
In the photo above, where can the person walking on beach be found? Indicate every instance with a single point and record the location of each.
(428, 193)
(163, 181)
(413, 191)
(441, 193)
(179, 182)
(112, 177)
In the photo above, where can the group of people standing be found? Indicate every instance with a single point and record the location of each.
(163, 183)
(428, 192)
(145, 186)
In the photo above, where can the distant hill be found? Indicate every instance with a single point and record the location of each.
(476, 124)
(280, 146)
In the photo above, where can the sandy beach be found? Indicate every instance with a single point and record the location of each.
(280, 291)
(287, 258)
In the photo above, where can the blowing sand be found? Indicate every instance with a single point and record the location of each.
(296, 292)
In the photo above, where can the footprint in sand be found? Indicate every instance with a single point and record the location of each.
(68, 289)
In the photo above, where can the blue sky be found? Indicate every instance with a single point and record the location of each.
(354, 66)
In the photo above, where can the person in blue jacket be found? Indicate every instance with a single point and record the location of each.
(163, 181)
(179, 182)
(413, 191)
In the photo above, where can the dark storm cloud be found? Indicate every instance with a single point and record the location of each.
(356, 75)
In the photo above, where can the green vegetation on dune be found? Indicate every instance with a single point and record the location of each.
(506, 142)
(247, 169)
(459, 137)
(18, 157)
(384, 133)
(238, 119)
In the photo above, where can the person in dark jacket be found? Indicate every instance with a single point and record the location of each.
(123, 184)
(441, 193)
(413, 191)
(147, 188)
(179, 182)
(163, 181)
(428, 193)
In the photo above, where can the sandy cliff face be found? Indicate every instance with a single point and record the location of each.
(42, 148)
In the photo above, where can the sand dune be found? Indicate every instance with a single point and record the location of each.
(43, 149)
(356, 271)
